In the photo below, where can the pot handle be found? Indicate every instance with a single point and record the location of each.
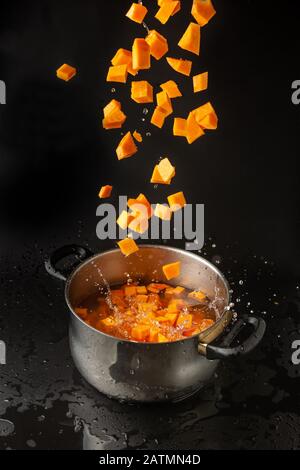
(225, 351)
(81, 254)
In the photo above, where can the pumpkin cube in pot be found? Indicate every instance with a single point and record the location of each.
(185, 320)
(141, 290)
(140, 332)
(130, 291)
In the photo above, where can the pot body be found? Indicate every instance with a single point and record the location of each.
(144, 372)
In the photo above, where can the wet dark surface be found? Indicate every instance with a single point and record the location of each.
(54, 156)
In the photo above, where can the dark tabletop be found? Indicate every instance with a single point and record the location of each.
(54, 156)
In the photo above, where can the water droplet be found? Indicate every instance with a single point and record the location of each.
(148, 134)
(145, 111)
(113, 90)
(241, 282)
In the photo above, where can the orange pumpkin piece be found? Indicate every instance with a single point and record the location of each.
(163, 212)
(210, 121)
(197, 295)
(138, 137)
(175, 290)
(203, 11)
(126, 147)
(137, 12)
(113, 105)
(202, 111)
(141, 298)
(162, 338)
(158, 117)
(114, 120)
(164, 102)
(141, 290)
(185, 320)
(200, 82)
(190, 40)
(171, 317)
(142, 92)
(124, 220)
(176, 201)
(177, 9)
(139, 224)
(155, 287)
(117, 73)
(105, 191)
(140, 332)
(82, 312)
(156, 178)
(124, 57)
(140, 205)
(128, 246)
(66, 72)
(166, 169)
(180, 127)
(130, 291)
(158, 44)
(193, 129)
(140, 54)
(108, 322)
(171, 88)
(153, 335)
(180, 65)
(171, 270)
(167, 10)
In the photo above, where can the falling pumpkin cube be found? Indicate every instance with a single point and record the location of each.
(141, 59)
(65, 72)
(158, 44)
(171, 270)
(203, 11)
(164, 102)
(128, 246)
(190, 41)
(142, 91)
(126, 147)
(105, 191)
(117, 73)
(176, 201)
(193, 129)
(171, 88)
(137, 12)
(180, 127)
(180, 65)
(200, 82)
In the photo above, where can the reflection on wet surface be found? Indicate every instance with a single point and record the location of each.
(45, 403)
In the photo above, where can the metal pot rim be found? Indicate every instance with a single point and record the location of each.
(168, 248)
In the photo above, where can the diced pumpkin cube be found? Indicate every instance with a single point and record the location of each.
(140, 54)
(193, 129)
(142, 92)
(138, 137)
(176, 10)
(65, 72)
(153, 335)
(117, 73)
(130, 291)
(141, 290)
(146, 307)
(105, 191)
(167, 10)
(124, 57)
(124, 220)
(158, 117)
(171, 270)
(128, 246)
(114, 120)
(180, 65)
(156, 177)
(185, 320)
(176, 201)
(180, 127)
(190, 41)
(139, 224)
(203, 11)
(164, 102)
(156, 287)
(171, 88)
(137, 12)
(172, 318)
(140, 205)
(202, 111)
(116, 293)
(112, 106)
(163, 212)
(161, 338)
(166, 169)
(108, 322)
(126, 147)
(141, 298)
(197, 295)
(172, 308)
(82, 312)
(140, 332)
(158, 44)
(200, 82)
(210, 121)
(178, 303)
(175, 290)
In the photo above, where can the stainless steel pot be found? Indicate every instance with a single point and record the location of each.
(132, 371)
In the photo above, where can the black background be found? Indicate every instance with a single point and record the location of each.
(54, 154)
